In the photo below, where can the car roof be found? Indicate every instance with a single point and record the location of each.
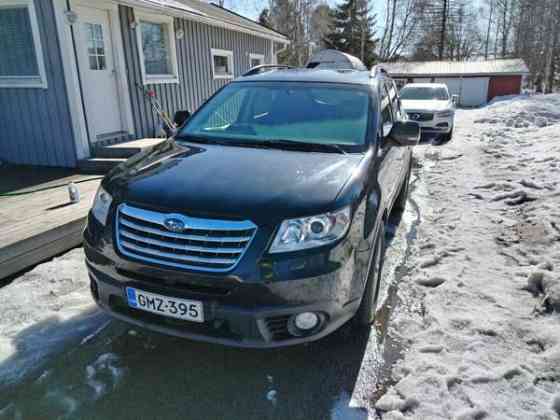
(311, 75)
(432, 85)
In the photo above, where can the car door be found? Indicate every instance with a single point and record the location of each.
(389, 156)
(399, 115)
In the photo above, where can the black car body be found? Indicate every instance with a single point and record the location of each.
(196, 220)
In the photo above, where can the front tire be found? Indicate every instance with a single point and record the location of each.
(446, 138)
(368, 306)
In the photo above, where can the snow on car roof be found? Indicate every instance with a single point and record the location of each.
(514, 66)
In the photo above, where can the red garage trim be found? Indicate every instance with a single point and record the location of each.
(504, 85)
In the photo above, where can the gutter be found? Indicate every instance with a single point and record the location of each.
(200, 17)
(403, 75)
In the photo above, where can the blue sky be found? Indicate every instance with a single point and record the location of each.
(252, 8)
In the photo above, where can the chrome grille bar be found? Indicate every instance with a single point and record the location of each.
(203, 245)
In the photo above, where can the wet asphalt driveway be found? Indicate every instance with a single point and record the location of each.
(122, 372)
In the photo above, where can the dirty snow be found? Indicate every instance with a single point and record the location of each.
(486, 264)
(43, 311)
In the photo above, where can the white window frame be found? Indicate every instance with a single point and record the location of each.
(214, 52)
(157, 79)
(256, 57)
(39, 81)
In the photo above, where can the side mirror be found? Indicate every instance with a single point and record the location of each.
(405, 133)
(180, 117)
(455, 99)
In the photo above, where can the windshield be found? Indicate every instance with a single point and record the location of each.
(424, 93)
(307, 113)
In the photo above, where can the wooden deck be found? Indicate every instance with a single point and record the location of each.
(37, 226)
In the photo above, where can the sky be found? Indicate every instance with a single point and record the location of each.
(252, 8)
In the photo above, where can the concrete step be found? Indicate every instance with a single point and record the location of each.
(98, 165)
(126, 149)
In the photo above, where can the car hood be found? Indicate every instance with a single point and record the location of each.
(262, 185)
(415, 105)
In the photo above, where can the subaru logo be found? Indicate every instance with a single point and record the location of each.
(415, 116)
(174, 225)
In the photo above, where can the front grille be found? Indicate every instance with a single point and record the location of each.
(203, 244)
(420, 116)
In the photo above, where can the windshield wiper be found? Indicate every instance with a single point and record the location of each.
(312, 147)
(276, 143)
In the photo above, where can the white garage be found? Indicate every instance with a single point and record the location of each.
(475, 82)
(472, 91)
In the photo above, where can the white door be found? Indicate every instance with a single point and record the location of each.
(474, 91)
(97, 70)
(453, 85)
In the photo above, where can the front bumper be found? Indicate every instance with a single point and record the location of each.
(249, 307)
(435, 125)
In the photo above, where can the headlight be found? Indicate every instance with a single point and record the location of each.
(101, 205)
(445, 114)
(311, 232)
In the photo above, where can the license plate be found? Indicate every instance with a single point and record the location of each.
(189, 310)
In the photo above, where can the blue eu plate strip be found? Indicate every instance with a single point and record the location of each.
(131, 295)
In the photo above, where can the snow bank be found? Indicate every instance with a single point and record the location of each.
(487, 265)
(44, 310)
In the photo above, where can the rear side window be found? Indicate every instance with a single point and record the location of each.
(394, 97)
(386, 111)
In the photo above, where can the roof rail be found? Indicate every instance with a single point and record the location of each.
(264, 67)
(378, 69)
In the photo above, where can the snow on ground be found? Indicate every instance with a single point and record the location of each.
(487, 265)
(43, 311)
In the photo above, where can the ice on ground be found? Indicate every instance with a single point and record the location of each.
(487, 268)
(42, 311)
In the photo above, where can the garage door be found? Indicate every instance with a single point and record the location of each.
(474, 91)
(504, 85)
(453, 85)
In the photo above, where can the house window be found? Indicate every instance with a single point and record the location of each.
(21, 63)
(96, 46)
(158, 55)
(222, 64)
(256, 60)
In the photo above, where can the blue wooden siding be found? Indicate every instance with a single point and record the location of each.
(35, 125)
(196, 83)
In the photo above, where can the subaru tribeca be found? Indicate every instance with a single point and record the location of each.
(260, 223)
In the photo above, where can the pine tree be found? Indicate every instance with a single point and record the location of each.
(353, 31)
(264, 18)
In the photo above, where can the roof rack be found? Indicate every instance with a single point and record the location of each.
(265, 67)
(378, 69)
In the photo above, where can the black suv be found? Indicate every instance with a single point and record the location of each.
(261, 222)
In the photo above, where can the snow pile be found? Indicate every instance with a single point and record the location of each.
(44, 310)
(523, 111)
(487, 265)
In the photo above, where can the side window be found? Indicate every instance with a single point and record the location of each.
(386, 112)
(394, 96)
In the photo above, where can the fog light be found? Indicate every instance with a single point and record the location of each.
(306, 321)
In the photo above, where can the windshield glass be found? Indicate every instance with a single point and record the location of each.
(311, 113)
(424, 93)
